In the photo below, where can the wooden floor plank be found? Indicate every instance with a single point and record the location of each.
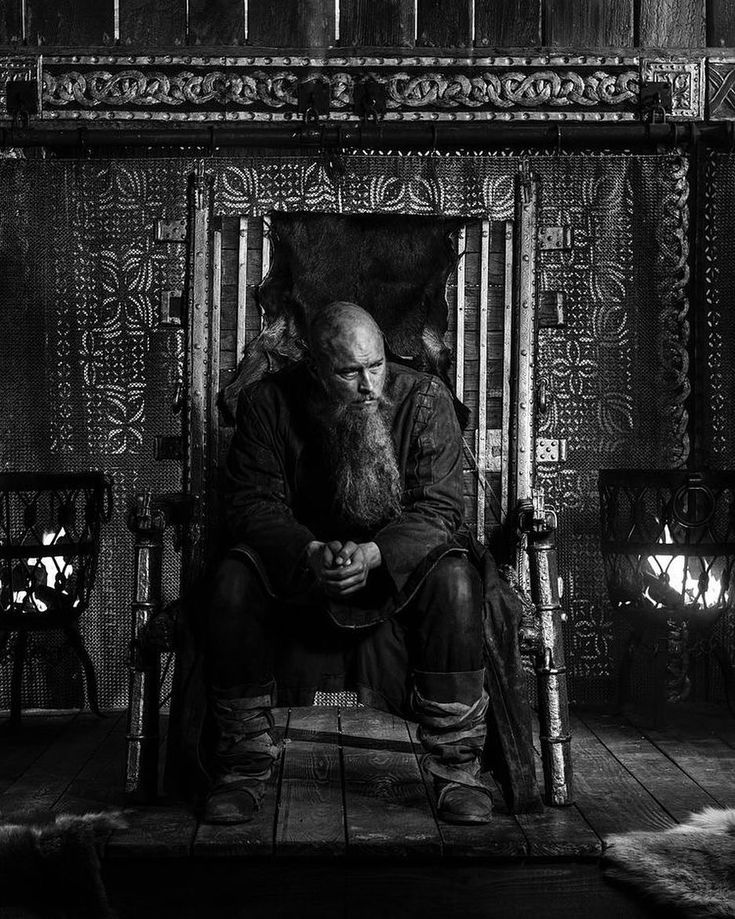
(48, 778)
(707, 760)
(163, 829)
(255, 838)
(98, 785)
(154, 831)
(20, 749)
(559, 832)
(310, 808)
(608, 796)
(501, 838)
(387, 810)
(674, 790)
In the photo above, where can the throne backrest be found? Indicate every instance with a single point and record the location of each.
(438, 288)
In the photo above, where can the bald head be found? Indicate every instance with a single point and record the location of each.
(347, 346)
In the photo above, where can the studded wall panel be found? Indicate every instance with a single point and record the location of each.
(92, 371)
(99, 371)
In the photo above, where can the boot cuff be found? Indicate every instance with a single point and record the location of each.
(464, 686)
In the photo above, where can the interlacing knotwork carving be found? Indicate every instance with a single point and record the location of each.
(715, 440)
(673, 378)
(277, 89)
(158, 88)
(513, 88)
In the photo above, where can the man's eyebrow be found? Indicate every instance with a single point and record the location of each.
(346, 368)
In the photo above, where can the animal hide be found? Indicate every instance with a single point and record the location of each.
(690, 867)
(394, 267)
(53, 867)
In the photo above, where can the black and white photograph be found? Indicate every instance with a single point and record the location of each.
(367, 459)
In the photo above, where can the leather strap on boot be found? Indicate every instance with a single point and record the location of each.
(450, 709)
(244, 758)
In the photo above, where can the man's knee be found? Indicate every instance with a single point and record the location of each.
(454, 584)
(236, 585)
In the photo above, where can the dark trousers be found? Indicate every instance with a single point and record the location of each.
(442, 625)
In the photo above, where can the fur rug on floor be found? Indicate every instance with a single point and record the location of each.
(689, 868)
(50, 866)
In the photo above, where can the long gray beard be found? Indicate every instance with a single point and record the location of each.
(363, 467)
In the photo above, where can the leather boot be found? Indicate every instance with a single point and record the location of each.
(450, 709)
(244, 757)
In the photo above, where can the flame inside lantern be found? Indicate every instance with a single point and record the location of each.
(684, 581)
(56, 569)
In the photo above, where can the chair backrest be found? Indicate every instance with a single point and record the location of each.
(49, 539)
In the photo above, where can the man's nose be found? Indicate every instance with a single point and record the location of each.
(365, 384)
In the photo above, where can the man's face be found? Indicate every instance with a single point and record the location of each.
(352, 367)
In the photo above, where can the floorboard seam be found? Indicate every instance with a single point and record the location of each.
(279, 782)
(342, 780)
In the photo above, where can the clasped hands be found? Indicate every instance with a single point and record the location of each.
(342, 568)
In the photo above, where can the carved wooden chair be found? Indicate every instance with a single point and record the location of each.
(524, 522)
(49, 545)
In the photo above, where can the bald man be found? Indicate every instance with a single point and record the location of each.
(343, 496)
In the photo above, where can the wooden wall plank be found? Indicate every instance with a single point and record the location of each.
(672, 23)
(376, 22)
(721, 23)
(154, 23)
(501, 24)
(291, 23)
(444, 23)
(10, 21)
(216, 22)
(587, 23)
(70, 22)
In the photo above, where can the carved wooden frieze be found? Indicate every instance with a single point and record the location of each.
(209, 89)
(721, 88)
(15, 68)
(687, 84)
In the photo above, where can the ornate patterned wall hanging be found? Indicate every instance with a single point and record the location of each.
(617, 374)
(91, 276)
(104, 372)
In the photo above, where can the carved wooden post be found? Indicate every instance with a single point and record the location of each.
(141, 766)
(550, 666)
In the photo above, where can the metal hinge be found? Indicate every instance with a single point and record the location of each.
(655, 100)
(168, 447)
(171, 231)
(313, 98)
(550, 450)
(551, 309)
(493, 450)
(172, 307)
(555, 238)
